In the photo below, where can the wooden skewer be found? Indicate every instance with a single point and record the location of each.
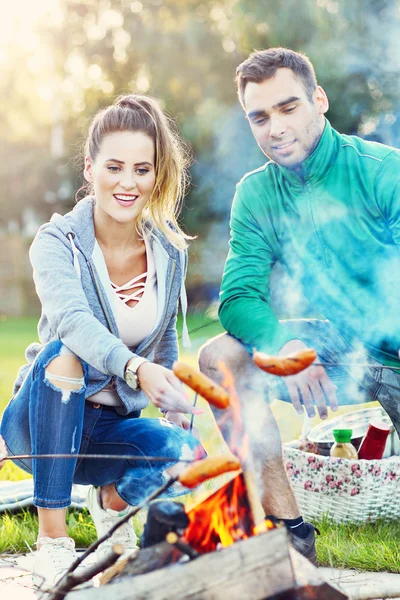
(254, 499)
(109, 456)
(361, 365)
(174, 539)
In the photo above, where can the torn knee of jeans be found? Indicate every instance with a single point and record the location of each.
(64, 385)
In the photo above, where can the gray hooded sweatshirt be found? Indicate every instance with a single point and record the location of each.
(76, 307)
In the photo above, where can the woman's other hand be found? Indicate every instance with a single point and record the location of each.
(3, 452)
(182, 421)
(164, 389)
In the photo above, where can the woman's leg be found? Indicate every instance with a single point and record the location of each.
(126, 480)
(45, 417)
(65, 373)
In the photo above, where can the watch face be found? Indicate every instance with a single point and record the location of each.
(131, 379)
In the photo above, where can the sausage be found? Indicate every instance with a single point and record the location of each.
(203, 385)
(285, 365)
(206, 468)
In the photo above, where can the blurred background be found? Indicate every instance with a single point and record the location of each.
(61, 60)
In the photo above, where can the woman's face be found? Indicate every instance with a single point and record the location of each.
(122, 174)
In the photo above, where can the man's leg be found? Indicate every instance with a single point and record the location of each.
(277, 497)
(266, 445)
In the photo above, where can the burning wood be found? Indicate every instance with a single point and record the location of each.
(259, 568)
(222, 519)
(285, 365)
(173, 539)
(203, 385)
(229, 557)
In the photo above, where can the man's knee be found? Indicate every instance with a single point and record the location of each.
(222, 348)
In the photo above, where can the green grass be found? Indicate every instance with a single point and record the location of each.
(371, 547)
(367, 547)
(18, 531)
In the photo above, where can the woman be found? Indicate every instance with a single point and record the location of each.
(109, 275)
(3, 452)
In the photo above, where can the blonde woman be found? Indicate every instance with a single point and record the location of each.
(109, 276)
(3, 452)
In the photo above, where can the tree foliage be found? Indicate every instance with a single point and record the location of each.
(185, 52)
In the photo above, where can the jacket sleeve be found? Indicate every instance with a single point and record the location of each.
(167, 350)
(245, 310)
(66, 307)
(387, 193)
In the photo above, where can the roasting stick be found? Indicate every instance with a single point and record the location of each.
(216, 395)
(108, 456)
(67, 583)
(192, 417)
(192, 476)
(254, 499)
(207, 388)
(361, 365)
(291, 364)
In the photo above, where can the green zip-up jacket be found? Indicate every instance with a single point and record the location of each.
(335, 228)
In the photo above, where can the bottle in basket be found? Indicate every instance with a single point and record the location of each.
(343, 448)
(374, 441)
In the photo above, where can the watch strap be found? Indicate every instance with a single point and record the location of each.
(135, 364)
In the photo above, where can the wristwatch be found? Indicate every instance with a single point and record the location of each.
(131, 377)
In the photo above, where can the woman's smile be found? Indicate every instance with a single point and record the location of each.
(126, 200)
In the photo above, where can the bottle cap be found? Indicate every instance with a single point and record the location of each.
(342, 436)
(379, 425)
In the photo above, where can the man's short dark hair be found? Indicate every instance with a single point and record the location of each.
(263, 64)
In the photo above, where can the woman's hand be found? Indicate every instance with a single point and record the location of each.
(3, 452)
(164, 389)
(182, 421)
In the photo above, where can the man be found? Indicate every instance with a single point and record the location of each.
(327, 207)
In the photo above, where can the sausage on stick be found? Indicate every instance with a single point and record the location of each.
(206, 468)
(285, 365)
(203, 385)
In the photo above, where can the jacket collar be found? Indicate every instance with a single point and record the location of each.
(80, 222)
(316, 166)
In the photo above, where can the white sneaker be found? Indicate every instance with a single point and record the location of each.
(104, 519)
(52, 560)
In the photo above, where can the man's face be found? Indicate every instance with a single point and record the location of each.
(286, 124)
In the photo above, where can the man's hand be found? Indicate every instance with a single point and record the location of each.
(164, 389)
(3, 452)
(313, 384)
(182, 421)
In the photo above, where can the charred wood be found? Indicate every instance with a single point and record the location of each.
(162, 518)
(259, 568)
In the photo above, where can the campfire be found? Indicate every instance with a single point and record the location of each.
(220, 548)
(222, 519)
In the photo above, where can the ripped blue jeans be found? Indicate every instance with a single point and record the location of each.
(42, 419)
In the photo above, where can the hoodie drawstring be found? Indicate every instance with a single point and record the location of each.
(186, 343)
(75, 252)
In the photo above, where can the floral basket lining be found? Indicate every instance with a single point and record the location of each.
(347, 491)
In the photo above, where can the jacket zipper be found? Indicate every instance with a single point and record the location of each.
(318, 236)
(100, 297)
(106, 313)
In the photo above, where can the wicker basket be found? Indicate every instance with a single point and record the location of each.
(347, 491)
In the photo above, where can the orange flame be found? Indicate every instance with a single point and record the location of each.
(239, 442)
(223, 518)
